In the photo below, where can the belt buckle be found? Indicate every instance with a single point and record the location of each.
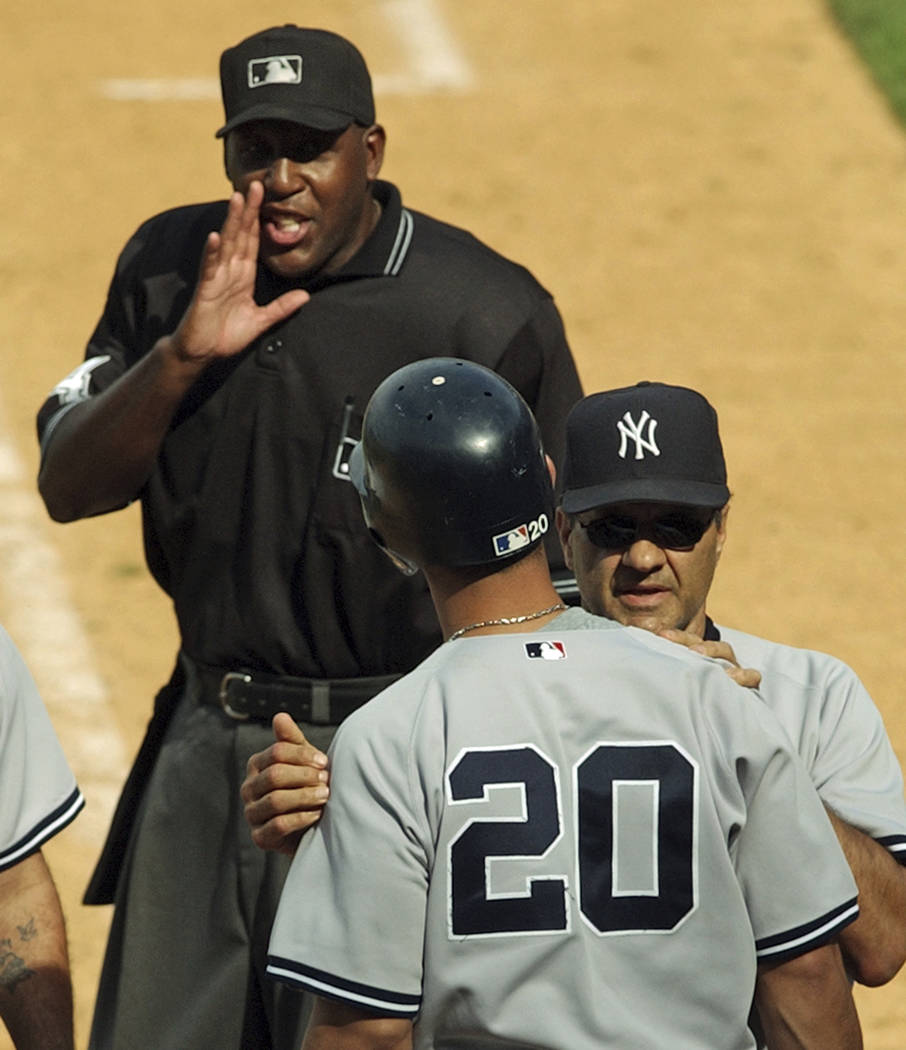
(224, 694)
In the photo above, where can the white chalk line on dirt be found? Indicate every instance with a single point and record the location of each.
(42, 620)
(434, 63)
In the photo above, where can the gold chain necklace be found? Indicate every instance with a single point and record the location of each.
(507, 620)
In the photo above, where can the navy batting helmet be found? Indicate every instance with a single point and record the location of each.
(450, 468)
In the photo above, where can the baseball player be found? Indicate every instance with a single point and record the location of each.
(223, 387)
(643, 523)
(555, 832)
(38, 798)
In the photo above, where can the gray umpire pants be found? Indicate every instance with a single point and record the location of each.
(185, 961)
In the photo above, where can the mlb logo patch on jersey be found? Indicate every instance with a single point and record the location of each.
(545, 650)
(276, 69)
(513, 540)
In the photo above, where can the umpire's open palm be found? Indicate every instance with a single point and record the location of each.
(223, 317)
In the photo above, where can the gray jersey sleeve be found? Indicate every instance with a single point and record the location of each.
(784, 831)
(837, 730)
(373, 849)
(38, 791)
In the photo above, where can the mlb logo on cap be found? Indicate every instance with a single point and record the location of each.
(513, 540)
(278, 69)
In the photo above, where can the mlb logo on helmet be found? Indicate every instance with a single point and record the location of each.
(511, 541)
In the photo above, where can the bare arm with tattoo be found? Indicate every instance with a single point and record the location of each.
(35, 985)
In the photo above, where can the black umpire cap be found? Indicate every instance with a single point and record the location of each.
(307, 76)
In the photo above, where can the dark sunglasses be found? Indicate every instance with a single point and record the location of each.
(676, 530)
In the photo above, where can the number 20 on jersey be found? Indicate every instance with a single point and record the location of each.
(633, 845)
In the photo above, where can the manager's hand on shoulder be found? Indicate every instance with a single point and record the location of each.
(744, 676)
(285, 788)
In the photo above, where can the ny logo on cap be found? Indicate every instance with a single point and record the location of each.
(278, 69)
(632, 431)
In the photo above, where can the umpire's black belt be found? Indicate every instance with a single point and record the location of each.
(256, 696)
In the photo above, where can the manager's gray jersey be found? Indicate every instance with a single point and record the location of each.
(838, 732)
(575, 839)
(38, 791)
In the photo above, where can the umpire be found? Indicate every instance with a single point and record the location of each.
(223, 387)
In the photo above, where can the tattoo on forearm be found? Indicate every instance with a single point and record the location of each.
(13, 969)
(29, 930)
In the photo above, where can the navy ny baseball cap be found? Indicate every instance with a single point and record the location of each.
(307, 76)
(648, 443)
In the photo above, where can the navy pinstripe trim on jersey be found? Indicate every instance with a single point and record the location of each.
(809, 936)
(896, 844)
(328, 985)
(400, 248)
(47, 828)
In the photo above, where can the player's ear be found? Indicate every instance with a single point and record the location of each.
(551, 469)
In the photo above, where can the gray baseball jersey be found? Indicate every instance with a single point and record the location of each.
(568, 838)
(838, 732)
(38, 792)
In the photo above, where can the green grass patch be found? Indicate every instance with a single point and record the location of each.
(877, 29)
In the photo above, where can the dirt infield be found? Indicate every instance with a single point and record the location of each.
(714, 193)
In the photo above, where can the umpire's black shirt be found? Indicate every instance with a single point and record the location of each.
(250, 524)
